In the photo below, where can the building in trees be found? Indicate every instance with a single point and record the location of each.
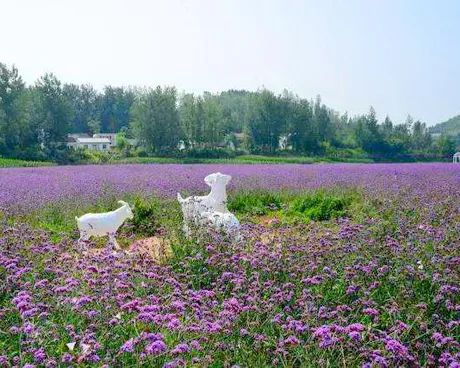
(93, 144)
(456, 158)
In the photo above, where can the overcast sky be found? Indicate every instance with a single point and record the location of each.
(401, 56)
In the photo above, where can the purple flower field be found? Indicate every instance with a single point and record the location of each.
(35, 187)
(378, 288)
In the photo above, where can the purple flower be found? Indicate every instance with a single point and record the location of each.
(396, 347)
(127, 347)
(156, 348)
(354, 335)
(371, 312)
(401, 325)
(180, 349)
(291, 340)
(322, 331)
(175, 363)
(39, 355)
(196, 345)
(66, 358)
(3, 360)
(356, 327)
(352, 289)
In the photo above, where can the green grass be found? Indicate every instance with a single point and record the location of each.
(246, 159)
(294, 207)
(11, 162)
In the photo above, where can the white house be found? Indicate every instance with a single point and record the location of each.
(99, 141)
(110, 136)
(95, 144)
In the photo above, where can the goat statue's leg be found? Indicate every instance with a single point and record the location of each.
(113, 241)
(84, 237)
(186, 229)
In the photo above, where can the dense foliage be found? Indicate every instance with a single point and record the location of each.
(35, 121)
(358, 266)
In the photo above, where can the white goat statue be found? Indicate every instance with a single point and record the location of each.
(209, 209)
(102, 224)
(225, 222)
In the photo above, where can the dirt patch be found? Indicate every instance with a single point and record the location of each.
(157, 248)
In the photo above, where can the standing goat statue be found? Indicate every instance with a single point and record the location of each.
(102, 224)
(210, 210)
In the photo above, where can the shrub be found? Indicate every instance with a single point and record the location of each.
(319, 206)
(144, 220)
(254, 203)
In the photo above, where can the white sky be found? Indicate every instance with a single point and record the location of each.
(399, 56)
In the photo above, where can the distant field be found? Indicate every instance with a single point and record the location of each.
(246, 159)
(249, 159)
(10, 162)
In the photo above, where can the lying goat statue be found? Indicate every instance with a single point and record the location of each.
(209, 210)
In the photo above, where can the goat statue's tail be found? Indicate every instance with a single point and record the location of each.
(179, 198)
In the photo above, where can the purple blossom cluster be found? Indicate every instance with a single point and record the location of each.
(376, 291)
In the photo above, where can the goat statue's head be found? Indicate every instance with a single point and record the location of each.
(217, 178)
(129, 212)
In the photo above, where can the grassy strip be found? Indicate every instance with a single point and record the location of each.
(11, 162)
(249, 159)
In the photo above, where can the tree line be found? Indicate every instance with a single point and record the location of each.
(35, 121)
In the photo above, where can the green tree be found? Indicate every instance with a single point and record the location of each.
(387, 127)
(421, 138)
(156, 120)
(190, 123)
(84, 105)
(213, 130)
(236, 107)
(322, 118)
(446, 145)
(267, 122)
(301, 127)
(15, 132)
(115, 109)
(368, 134)
(51, 110)
(93, 126)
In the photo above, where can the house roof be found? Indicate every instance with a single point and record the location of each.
(74, 136)
(98, 135)
(93, 140)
